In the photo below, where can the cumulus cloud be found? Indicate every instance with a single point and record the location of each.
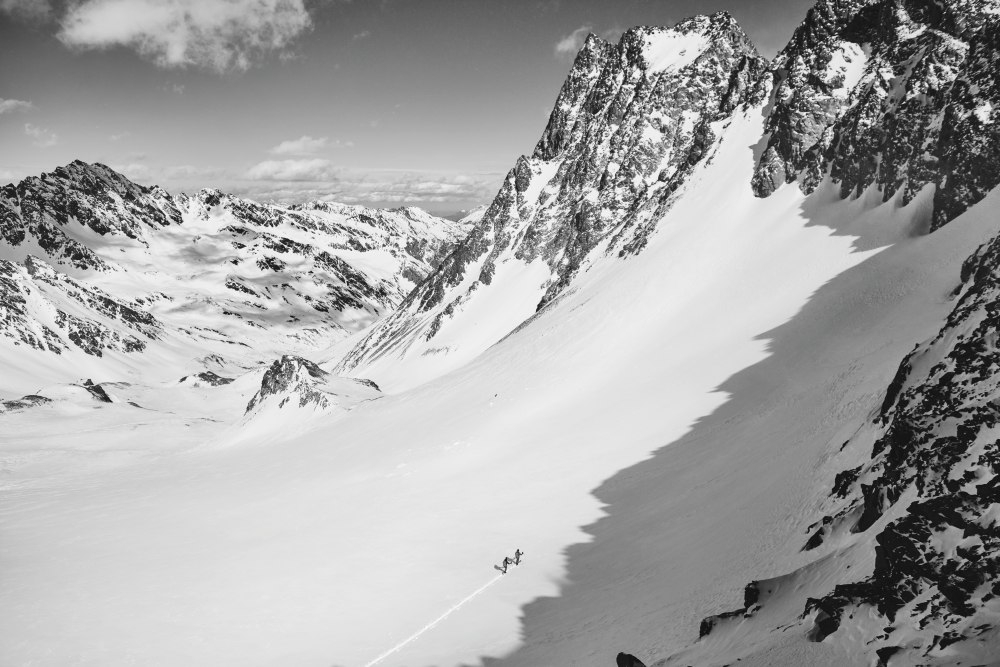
(220, 35)
(10, 106)
(43, 138)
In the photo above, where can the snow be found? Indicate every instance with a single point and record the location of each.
(849, 59)
(167, 534)
(984, 112)
(284, 550)
(542, 172)
(668, 51)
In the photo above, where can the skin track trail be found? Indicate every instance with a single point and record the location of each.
(430, 626)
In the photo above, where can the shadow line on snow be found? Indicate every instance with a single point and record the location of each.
(687, 528)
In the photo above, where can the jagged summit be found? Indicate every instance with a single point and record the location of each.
(629, 124)
(655, 50)
(47, 210)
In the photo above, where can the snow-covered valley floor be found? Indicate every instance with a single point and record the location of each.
(690, 386)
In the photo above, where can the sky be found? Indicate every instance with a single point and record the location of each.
(376, 102)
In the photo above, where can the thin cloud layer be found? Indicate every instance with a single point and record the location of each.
(10, 106)
(315, 169)
(27, 10)
(43, 137)
(219, 35)
(375, 187)
(304, 145)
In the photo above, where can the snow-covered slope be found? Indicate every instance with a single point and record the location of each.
(899, 555)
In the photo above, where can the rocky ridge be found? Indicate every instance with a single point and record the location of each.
(53, 210)
(896, 94)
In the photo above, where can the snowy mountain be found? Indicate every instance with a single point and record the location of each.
(99, 264)
(719, 358)
(630, 123)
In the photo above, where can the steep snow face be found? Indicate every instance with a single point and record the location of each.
(215, 275)
(630, 123)
(933, 471)
(898, 561)
(897, 93)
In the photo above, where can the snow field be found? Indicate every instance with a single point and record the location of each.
(329, 538)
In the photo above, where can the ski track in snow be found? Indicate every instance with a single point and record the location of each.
(430, 626)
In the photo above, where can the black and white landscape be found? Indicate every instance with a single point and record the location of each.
(721, 357)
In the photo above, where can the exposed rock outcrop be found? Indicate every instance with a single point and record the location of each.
(899, 94)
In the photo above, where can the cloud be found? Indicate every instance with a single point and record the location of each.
(187, 171)
(135, 171)
(121, 135)
(10, 106)
(219, 35)
(308, 180)
(27, 10)
(306, 145)
(43, 137)
(314, 169)
(364, 34)
(573, 42)
(570, 45)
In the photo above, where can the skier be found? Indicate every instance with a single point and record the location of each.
(517, 557)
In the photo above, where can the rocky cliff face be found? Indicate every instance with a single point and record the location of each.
(899, 94)
(630, 122)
